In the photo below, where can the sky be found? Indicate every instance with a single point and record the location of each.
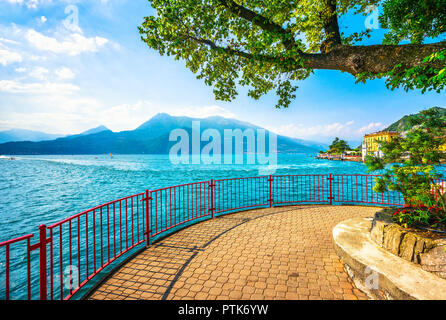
(70, 65)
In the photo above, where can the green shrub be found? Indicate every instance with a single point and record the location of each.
(409, 165)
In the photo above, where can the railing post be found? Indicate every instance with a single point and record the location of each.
(330, 181)
(148, 220)
(270, 194)
(211, 206)
(43, 275)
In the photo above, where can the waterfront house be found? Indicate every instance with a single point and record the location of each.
(370, 146)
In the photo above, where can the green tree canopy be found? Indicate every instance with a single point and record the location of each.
(413, 19)
(267, 45)
(410, 162)
(338, 146)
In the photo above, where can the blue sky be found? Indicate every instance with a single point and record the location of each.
(63, 79)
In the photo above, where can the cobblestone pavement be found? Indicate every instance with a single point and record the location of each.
(274, 253)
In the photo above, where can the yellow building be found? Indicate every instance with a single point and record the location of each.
(371, 140)
(370, 145)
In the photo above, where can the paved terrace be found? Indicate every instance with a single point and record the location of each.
(274, 253)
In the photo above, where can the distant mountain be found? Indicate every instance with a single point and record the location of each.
(152, 137)
(403, 125)
(91, 131)
(26, 135)
(312, 144)
(95, 130)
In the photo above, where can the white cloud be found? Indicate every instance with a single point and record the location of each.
(72, 44)
(52, 122)
(59, 112)
(30, 4)
(9, 41)
(343, 130)
(203, 112)
(373, 126)
(303, 131)
(35, 58)
(39, 73)
(13, 1)
(12, 86)
(53, 111)
(7, 56)
(64, 73)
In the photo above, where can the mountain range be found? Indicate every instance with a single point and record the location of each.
(15, 135)
(403, 124)
(26, 135)
(152, 137)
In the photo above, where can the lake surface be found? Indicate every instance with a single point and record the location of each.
(37, 190)
(46, 189)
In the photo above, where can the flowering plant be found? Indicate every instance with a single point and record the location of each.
(421, 216)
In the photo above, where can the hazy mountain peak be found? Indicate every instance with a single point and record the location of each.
(158, 118)
(25, 135)
(163, 121)
(95, 130)
(162, 115)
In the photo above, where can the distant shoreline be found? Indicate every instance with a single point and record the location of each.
(336, 157)
(2, 156)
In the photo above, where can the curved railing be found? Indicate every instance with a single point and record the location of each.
(72, 252)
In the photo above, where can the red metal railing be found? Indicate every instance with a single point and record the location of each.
(7, 246)
(294, 189)
(359, 189)
(239, 193)
(172, 207)
(94, 238)
(75, 250)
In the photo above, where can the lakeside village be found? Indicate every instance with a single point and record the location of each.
(340, 150)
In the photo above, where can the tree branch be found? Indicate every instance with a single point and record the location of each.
(233, 52)
(375, 59)
(260, 21)
(331, 27)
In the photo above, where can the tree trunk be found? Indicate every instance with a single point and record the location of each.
(375, 59)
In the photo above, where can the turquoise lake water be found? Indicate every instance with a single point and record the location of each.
(37, 190)
(46, 189)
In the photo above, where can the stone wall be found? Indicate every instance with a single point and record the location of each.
(379, 273)
(412, 246)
